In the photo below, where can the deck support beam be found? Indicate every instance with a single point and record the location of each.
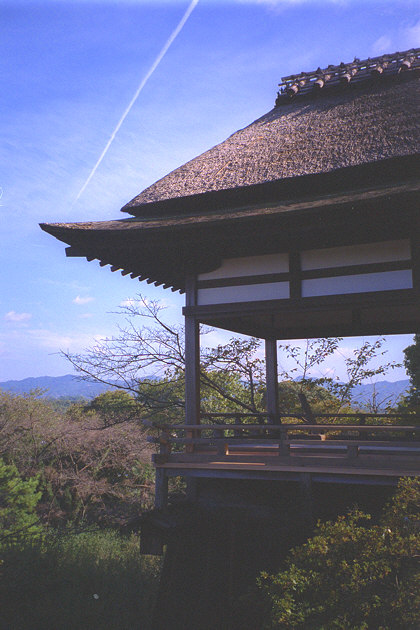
(272, 387)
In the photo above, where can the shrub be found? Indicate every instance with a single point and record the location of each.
(353, 574)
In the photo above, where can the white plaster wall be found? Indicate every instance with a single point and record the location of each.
(356, 254)
(249, 266)
(361, 283)
(244, 293)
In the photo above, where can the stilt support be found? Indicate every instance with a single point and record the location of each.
(161, 489)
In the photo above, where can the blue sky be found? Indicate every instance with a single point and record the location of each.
(70, 68)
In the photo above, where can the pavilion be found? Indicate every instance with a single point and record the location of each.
(303, 224)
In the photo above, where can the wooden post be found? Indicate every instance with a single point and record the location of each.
(192, 489)
(192, 371)
(192, 374)
(272, 381)
(307, 500)
(161, 489)
(192, 359)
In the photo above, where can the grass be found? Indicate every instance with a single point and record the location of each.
(89, 581)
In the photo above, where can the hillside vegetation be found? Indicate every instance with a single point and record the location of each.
(76, 477)
(72, 487)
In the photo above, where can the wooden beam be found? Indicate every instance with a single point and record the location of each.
(272, 388)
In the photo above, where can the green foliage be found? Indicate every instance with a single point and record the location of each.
(162, 399)
(94, 580)
(86, 466)
(412, 365)
(320, 399)
(18, 500)
(360, 365)
(114, 407)
(353, 574)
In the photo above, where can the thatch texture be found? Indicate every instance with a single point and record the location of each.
(329, 167)
(351, 126)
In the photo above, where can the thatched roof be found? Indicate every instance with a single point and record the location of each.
(344, 157)
(362, 122)
(352, 203)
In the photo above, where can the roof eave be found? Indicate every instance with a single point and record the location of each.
(381, 171)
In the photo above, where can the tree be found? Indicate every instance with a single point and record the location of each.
(89, 468)
(359, 367)
(18, 500)
(412, 365)
(113, 407)
(352, 573)
(149, 362)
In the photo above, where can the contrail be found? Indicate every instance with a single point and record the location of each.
(151, 70)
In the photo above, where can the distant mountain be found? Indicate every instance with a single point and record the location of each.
(56, 386)
(70, 386)
(386, 393)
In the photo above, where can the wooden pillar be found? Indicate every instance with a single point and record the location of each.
(272, 387)
(161, 489)
(415, 257)
(192, 360)
(192, 371)
(307, 501)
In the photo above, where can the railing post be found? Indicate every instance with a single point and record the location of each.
(165, 446)
(222, 448)
(284, 448)
(352, 451)
(237, 420)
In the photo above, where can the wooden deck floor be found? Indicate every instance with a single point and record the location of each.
(327, 453)
(327, 460)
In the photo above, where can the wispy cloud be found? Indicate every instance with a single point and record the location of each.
(76, 286)
(145, 79)
(82, 300)
(34, 342)
(287, 3)
(12, 316)
(403, 39)
(382, 45)
(412, 36)
(55, 341)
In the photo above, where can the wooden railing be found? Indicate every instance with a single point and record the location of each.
(285, 417)
(243, 434)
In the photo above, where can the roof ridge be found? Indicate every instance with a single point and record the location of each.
(356, 71)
